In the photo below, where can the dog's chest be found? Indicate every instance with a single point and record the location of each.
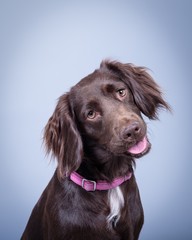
(116, 203)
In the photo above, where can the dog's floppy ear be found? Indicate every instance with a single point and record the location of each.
(146, 93)
(62, 138)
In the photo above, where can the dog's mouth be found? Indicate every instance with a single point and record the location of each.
(140, 148)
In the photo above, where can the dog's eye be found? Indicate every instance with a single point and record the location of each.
(91, 114)
(122, 92)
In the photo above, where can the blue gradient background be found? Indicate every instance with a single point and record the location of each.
(48, 46)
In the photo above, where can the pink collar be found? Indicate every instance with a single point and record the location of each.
(89, 185)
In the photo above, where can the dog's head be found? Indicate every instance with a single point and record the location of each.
(103, 111)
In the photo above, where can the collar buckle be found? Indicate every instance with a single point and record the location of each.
(89, 184)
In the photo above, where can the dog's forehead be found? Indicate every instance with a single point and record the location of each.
(95, 84)
(94, 89)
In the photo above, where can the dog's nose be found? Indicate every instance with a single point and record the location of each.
(132, 131)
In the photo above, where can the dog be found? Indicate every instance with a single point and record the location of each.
(96, 133)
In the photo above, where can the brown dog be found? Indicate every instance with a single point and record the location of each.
(96, 132)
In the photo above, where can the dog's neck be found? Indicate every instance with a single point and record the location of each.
(104, 165)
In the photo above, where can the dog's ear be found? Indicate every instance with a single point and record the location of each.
(146, 93)
(62, 138)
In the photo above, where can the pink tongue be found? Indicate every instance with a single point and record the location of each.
(139, 147)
